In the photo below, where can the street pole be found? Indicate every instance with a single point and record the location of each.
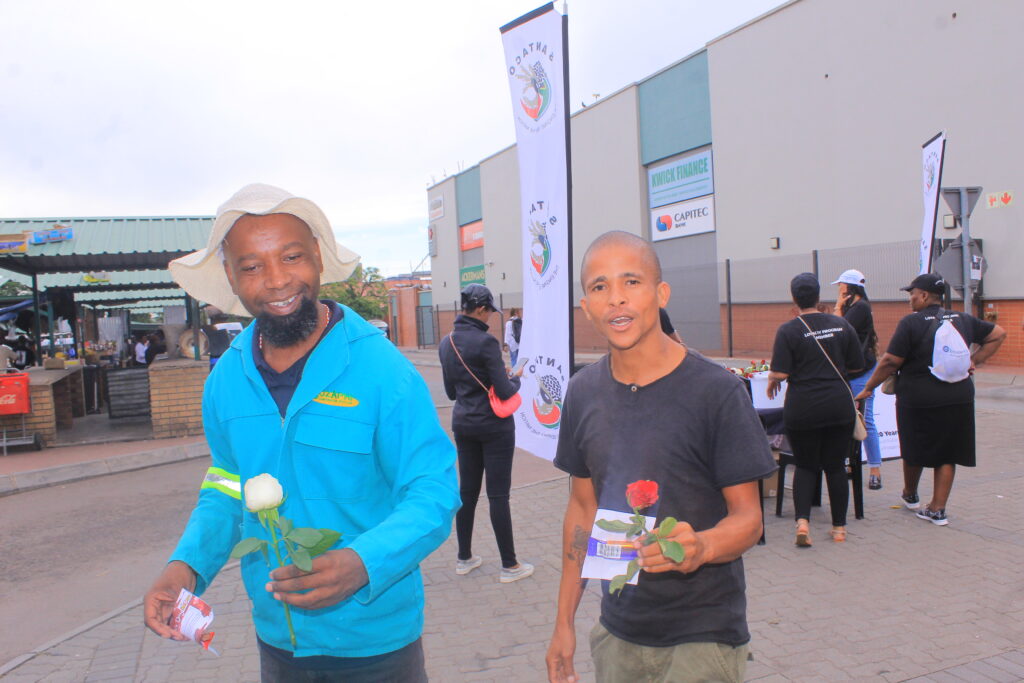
(965, 250)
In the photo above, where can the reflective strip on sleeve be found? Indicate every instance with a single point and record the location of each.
(223, 481)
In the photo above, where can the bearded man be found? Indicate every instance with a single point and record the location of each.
(317, 397)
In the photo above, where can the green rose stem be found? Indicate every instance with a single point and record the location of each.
(269, 520)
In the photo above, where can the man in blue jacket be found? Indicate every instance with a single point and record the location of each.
(314, 395)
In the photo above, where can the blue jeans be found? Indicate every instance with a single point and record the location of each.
(871, 442)
(514, 355)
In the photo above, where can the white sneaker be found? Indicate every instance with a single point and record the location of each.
(521, 571)
(463, 567)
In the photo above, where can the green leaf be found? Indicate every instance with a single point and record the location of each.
(285, 525)
(328, 538)
(305, 536)
(264, 548)
(245, 546)
(673, 550)
(666, 526)
(650, 538)
(302, 560)
(635, 531)
(631, 569)
(613, 525)
(616, 584)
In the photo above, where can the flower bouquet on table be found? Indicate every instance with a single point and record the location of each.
(263, 496)
(641, 495)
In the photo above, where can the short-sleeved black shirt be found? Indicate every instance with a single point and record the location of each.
(815, 395)
(694, 431)
(860, 318)
(912, 342)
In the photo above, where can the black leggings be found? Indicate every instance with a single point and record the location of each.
(490, 453)
(816, 450)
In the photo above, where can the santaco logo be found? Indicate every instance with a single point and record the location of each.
(540, 247)
(547, 404)
(537, 94)
(931, 171)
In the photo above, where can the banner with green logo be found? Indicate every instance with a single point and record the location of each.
(537, 75)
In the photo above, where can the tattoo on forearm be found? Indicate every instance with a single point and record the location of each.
(578, 550)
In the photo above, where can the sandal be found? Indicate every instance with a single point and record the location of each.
(803, 534)
(839, 534)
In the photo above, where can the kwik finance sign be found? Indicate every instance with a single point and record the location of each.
(680, 179)
(535, 67)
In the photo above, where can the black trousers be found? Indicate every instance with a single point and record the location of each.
(406, 665)
(489, 454)
(821, 450)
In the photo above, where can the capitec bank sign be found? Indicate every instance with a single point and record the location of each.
(682, 219)
(680, 193)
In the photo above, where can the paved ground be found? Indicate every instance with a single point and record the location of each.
(901, 600)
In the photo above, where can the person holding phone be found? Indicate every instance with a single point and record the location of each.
(852, 305)
(471, 357)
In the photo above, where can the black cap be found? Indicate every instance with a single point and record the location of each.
(929, 282)
(803, 285)
(474, 296)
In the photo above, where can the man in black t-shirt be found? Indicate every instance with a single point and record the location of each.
(654, 410)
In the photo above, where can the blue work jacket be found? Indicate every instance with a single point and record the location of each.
(360, 451)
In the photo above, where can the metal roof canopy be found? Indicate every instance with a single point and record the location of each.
(132, 295)
(79, 282)
(106, 243)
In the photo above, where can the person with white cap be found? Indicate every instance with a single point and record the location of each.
(317, 397)
(853, 305)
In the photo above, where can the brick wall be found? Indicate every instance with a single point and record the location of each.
(40, 421)
(754, 327)
(176, 397)
(407, 299)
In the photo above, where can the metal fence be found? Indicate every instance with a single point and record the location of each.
(736, 304)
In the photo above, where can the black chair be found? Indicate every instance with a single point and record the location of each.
(854, 472)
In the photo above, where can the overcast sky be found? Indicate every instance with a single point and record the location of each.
(144, 109)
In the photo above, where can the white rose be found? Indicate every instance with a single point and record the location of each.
(263, 492)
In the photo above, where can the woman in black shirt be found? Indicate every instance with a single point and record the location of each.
(935, 417)
(470, 356)
(814, 352)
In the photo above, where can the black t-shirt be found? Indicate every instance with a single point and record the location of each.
(694, 431)
(666, 322)
(912, 342)
(860, 318)
(815, 394)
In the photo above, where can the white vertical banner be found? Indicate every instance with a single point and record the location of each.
(535, 67)
(932, 153)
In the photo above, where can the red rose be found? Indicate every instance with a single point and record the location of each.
(642, 494)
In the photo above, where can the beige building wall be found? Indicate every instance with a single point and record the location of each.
(444, 267)
(819, 111)
(499, 201)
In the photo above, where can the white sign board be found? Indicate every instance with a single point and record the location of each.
(885, 424)
(692, 217)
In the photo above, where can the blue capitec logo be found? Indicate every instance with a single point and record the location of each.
(663, 223)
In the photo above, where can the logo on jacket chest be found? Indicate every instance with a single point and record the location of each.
(336, 398)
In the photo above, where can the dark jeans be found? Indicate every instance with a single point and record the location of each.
(490, 454)
(401, 666)
(817, 450)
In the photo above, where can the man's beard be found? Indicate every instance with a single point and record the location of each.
(291, 329)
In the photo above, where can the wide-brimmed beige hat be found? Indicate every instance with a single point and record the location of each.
(201, 273)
